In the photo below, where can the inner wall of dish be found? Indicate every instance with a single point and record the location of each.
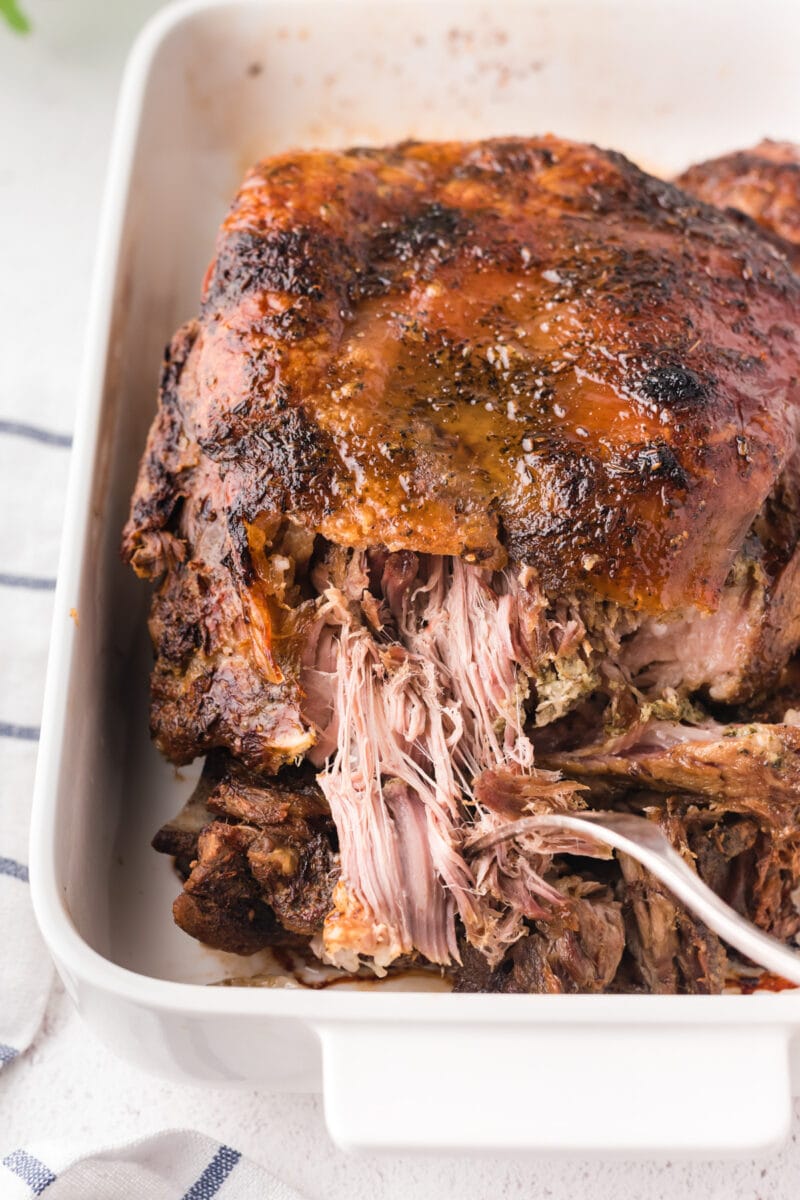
(238, 82)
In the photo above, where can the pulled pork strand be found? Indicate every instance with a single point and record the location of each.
(396, 824)
(422, 705)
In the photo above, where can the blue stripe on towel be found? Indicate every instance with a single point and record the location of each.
(30, 1170)
(33, 583)
(7, 1054)
(35, 433)
(214, 1175)
(24, 733)
(10, 866)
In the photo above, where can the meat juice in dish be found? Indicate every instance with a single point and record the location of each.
(473, 492)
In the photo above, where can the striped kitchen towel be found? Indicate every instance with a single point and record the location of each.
(33, 472)
(169, 1166)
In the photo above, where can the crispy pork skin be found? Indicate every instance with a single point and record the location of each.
(472, 489)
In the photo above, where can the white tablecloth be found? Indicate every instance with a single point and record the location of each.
(65, 1092)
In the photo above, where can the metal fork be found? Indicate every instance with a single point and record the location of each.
(644, 841)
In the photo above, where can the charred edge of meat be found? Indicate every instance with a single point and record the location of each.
(169, 455)
(258, 857)
(300, 262)
(221, 905)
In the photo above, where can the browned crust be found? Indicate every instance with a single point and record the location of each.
(365, 308)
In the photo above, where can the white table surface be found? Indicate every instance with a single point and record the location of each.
(57, 94)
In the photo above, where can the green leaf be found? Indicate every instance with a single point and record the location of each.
(14, 16)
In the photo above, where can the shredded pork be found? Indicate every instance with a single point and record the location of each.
(421, 705)
(422, 691)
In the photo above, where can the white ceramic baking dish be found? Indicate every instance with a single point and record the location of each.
(210, 87)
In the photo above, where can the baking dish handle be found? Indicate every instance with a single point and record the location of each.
(576, 1089)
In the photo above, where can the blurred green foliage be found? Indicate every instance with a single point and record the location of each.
(13, 14)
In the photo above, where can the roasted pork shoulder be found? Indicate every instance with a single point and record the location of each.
(474, 490)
